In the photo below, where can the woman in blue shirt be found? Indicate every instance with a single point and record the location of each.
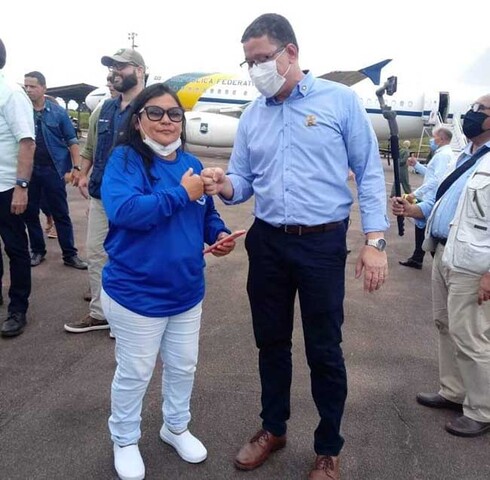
(153, 282)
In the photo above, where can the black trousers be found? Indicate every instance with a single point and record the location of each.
(312, 265)
(13, 233)
(418, 253)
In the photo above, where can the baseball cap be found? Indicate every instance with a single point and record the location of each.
(124, 55)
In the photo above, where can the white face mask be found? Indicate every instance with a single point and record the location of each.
(159, 149)
(266, 78)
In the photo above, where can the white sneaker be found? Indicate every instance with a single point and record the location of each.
(187, 445)
(128, 462)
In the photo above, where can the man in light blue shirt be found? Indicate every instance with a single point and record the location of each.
(293, 150)
(440, 164)
(460, 295)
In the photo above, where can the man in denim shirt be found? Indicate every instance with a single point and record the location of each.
(57, 153)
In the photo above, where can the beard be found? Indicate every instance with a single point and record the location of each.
(127, 83)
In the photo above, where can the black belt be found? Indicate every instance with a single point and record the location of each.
(440, 240)
(303, 229)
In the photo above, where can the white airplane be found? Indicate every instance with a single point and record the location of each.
(214, 103)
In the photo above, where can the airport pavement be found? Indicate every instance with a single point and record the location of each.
(55, 386)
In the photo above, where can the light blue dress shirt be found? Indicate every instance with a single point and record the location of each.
(440, 165)
(295, 157)
(446, 207)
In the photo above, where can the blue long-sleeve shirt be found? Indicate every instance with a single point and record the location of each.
(295, 157)
(156, 234)
(446, 208)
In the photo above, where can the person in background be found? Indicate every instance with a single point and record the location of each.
(403, 169)
(57, 153)
(127, 69)
(458, 234)
(152, 296)
(17, 147)
(293, 150)
(442, 162)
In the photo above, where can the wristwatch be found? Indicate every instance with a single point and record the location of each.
(22, 183)
(77, 167)
(378, 243)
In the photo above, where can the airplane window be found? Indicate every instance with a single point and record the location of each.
(402, 103)
(234, 92)
(226, 92)
(393, 103)
(410, 103)
(245, 93)
(211, 91)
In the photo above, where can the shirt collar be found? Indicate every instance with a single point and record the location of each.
(299, 91)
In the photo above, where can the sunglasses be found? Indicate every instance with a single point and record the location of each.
(155, 114)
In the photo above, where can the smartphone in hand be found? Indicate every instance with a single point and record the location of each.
(232, 236)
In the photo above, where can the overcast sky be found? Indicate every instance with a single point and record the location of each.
(431, 43)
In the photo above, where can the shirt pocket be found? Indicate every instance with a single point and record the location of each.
(478, 197)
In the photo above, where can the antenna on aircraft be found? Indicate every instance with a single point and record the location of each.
(389, 87)
(132, 36)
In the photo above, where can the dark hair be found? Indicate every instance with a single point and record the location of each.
(131, 136)
(275, 26)
(3, 54)
(40, 77)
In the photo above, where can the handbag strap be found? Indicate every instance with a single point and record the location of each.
(450, 179)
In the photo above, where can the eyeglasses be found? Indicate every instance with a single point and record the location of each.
(155, 113)
(251, 63)
(479, 107)
(118, 66)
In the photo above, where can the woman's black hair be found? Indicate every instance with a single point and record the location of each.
(131, 136)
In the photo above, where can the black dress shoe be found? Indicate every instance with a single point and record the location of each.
(466, 427)
(434, 400)
(412, 264)
(75, 262)
(14, 325)
(36, 259)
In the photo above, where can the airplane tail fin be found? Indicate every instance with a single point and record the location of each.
(349, 78)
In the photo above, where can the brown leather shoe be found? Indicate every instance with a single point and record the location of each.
(254, 453)
(326, 468)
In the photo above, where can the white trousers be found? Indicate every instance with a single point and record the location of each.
(464, 339)
(139, 340)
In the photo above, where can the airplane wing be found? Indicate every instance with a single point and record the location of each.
(349, 78)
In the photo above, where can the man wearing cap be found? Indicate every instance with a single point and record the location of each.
(128, 69)
(16, 158)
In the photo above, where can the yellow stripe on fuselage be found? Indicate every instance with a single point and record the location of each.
(190, 93)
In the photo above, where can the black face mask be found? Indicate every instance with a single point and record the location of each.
(473, 123)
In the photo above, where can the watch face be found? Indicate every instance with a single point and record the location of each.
(381, 244)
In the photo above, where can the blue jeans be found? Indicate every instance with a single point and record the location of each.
(46, 182)
(139, 340)
(12, 231)
(312, 265)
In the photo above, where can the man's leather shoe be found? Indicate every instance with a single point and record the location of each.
(75, 262)
(14, 325)
(326, 468)
(257, 451)
(36, 259)
(466, 427)
(412, 264)
(434, 400)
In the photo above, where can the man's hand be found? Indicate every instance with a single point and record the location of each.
(19, 201)
(213, 179)
(83, 185)
(484, 290)
(401, 207)
(375, 266)
(75, 177)
(193, 184)
(225, 248)
(412, 161)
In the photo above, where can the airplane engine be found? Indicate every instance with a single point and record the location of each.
(210, 129)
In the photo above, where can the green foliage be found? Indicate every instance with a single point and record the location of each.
(83, 118)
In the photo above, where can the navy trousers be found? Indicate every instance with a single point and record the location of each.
(13, 233)
(46, 182)
(418, 253)
(312, 265)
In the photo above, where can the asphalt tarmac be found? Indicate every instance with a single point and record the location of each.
(55, 386)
